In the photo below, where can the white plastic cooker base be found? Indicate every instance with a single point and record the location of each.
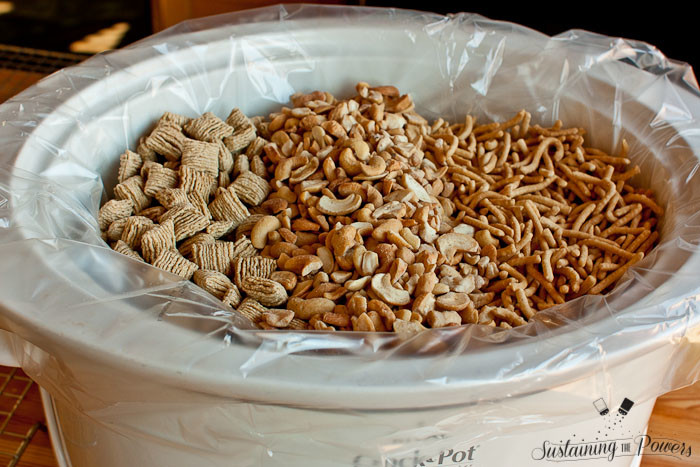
(157, 402)
(77, 437)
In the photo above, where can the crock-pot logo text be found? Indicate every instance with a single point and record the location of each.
(463, 457)
(451, 458)
(609, 449)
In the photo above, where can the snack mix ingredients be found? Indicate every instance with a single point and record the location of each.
(360, 215)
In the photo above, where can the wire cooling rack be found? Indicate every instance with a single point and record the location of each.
(16, 428)
(20, 67)
(36, 61)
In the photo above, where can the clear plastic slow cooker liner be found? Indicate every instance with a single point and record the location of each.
(105, 333)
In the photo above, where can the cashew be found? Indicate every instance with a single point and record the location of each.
(349, 162)
(278, 318)
(334, 129)
(466, 229)
(339, 207)
(303, 265)
(426, 283)
(312, 186)
(363, 228)
(258, 236)
(306, 238)
(302, 173)
(362, 323)
(393, 121)
(397, 240)
(398, 268)
(304, 225)
(322, 288)
(410, 284)
(286, 194)
(357, 253)
(370, 263)
(450, 243)
(363, 215)
(336, 319)
(448, 271)
(274, 205)
(305, 309)
(466, 285)
(407, 255)
(411, 184)
(381, 285)
(361, 149)
(346, 262)
(349, 188)
(402, 196)
(286, 278)
(376, 321)
(403, 314)
(343, 240)
(441, 319)
(340, 277)
(424, 303)
(416, 269)
(280, 248)
(393, 209)
(357, 284)
(327, 259)
(453, 301)
(387, 254)
(357, 305)
(411, 238)
(329, 168)
(284, 168)
(389, 225)
(427, 233)
(374, 196)
(407, 328)
(376, 166)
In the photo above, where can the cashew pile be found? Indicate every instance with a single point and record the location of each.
(360, 215)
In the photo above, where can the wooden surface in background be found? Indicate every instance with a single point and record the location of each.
(24, 439)
(166, 13)
(14, 81)
(676, 415)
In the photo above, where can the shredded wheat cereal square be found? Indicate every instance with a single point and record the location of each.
(160, 178)
(113, 210)
(167, 140)
(251, 189)
(187, 220)
(132, 188)
(208, 128)
(201, 156)
(157, 239)
(129, 165)
(173, 261)
(226, 206)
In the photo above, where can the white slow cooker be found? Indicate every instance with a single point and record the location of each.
(147, 370)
